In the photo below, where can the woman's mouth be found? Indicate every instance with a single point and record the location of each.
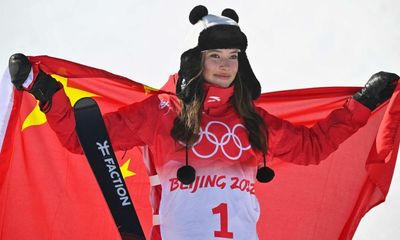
(223, 76)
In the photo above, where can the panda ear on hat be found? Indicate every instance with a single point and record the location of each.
(197, 14)
(230, 13)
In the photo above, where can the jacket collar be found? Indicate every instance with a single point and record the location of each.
(216, 101)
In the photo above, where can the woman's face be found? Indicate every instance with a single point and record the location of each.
(220, 66)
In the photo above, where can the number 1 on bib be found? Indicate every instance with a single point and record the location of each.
(222, 209)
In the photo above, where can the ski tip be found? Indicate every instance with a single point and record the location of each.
(85, 103)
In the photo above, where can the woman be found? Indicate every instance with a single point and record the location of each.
(208, 143)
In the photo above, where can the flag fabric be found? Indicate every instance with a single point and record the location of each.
(327, 201)
(47, 192)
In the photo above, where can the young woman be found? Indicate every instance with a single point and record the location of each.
(208, 137)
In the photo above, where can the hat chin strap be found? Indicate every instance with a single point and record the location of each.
(186, 174)
(265, 174)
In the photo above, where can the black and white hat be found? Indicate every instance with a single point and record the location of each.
(214, 32)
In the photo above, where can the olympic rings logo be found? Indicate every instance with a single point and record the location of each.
(222, 142)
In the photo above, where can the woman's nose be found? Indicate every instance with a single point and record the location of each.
(224, 62)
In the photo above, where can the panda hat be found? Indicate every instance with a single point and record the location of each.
(214, 32)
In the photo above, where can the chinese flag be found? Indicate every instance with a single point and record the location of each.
(47, 192)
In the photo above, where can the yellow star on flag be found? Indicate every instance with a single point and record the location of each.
(37, 117)
(148, 89)
(125, 169)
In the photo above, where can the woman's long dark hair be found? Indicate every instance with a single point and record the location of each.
(187, 124)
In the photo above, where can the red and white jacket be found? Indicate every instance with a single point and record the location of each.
(221, 203)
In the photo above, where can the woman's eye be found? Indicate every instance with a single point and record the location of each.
(234, 57)
(214, 56)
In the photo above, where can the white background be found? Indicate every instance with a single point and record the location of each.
(292, 44)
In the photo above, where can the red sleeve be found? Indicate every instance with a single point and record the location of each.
(134, 124)
(130, 126)
(303, 145)
(62, 120)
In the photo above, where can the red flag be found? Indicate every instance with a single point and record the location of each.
(47, 192)
(327, 201)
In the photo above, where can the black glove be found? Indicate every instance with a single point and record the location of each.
(42, 87)
(378, 89)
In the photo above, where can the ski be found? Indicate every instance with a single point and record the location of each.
(96, 145)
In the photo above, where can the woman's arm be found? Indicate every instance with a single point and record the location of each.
(61, 119)
(130, 126)
(303, 145)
